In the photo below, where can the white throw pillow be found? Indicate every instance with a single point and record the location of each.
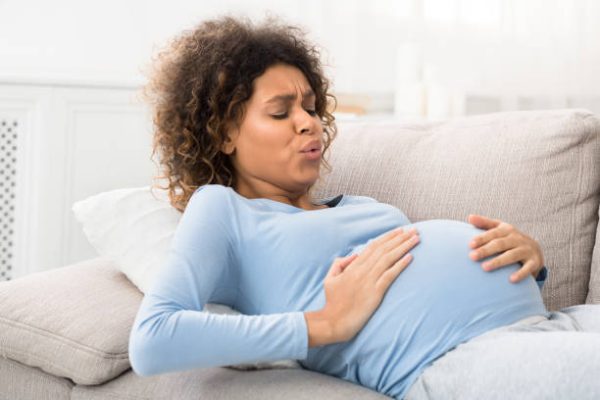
(134, 227)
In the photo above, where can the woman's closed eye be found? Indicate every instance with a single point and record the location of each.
(284, 115)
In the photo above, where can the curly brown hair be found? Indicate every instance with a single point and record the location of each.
(199, 84)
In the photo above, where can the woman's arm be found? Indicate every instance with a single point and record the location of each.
(172, 333)
(319, 327)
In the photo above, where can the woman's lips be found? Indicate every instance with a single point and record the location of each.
(312, 154)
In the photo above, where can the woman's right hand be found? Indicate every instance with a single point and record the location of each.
(355, 286)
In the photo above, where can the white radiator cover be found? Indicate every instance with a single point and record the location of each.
(68, 141)
(9, 134)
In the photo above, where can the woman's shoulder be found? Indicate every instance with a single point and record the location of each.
(210, 199)
(213, 193)
(209, 211)
(212, 189)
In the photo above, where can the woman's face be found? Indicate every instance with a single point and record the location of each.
(279, 121)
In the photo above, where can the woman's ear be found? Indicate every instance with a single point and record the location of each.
(228, 146)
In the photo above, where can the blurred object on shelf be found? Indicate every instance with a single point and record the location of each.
(352, 103)
(355, 110)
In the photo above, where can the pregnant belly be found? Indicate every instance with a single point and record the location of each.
(441, 299)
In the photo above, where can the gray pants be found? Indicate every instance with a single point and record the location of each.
(554, 357)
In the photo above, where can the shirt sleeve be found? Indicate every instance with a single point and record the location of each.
(171, 332)
(540, 279)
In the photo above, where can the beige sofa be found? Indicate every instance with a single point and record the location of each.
(64, 333)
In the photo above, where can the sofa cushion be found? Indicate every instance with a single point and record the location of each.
(594, 292)
(228, 384)
(20, 382)
(71, 322)
(538, 170)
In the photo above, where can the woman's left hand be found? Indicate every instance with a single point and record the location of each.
(515, 245)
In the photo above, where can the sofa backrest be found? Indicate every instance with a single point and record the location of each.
(538, 170)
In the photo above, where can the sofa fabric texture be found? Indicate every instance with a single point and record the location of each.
(22, 382)
(65, 331)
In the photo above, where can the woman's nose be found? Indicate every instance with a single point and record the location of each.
(307, 124)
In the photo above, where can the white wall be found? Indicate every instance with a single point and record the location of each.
(531, 53)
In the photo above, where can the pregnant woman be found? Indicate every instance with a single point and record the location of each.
(346, 285)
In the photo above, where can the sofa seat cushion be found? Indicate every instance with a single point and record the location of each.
(18, 381)
(228, 384)
(71, 322)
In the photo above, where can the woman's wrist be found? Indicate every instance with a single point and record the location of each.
(320, 328)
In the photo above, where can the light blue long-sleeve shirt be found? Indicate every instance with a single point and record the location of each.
(268, 260)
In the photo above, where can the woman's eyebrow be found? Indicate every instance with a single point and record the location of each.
(289, 96)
